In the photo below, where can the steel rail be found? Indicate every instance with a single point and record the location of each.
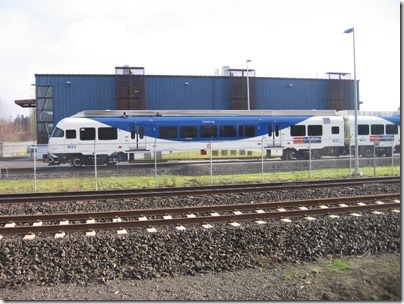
(193, 220)
(186, 191)
(192, 209)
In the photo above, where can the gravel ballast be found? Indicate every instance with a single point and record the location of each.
(196, 251)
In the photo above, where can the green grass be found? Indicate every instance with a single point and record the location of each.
(136, 182)
(339, 265)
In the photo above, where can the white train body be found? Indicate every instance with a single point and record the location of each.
(78, 138)
(375, 134)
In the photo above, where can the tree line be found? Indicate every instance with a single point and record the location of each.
(21, 128)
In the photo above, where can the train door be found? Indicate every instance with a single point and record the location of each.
(137, 134)
(274, 135)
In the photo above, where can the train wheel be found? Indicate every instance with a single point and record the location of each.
(316, 154)
(289, 154)
(367, 152)
(77, 161)
(102, 159)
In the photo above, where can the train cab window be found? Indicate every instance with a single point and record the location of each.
(363, 130)
(315, 130)
(71, 134)
(107, 133)
(377, 129)
(227, 131)
(208, 131)
(334, 130)
(246, 131)
(391, 129)
(188, 132)
(58, 132)
(168, 132)
(298, 131)
(87, 134)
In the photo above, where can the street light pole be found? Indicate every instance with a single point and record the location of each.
(248, 87)
(356, 172)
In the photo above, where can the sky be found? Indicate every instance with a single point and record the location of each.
(282, 38)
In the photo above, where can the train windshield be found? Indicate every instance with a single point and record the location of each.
(58, 132)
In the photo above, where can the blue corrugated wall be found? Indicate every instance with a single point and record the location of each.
(87, 92)
(291, 94)
(186, 93)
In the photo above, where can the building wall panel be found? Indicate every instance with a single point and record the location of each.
(185, 93)
(75, 93)
(291, 94)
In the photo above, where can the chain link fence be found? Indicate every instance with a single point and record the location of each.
(24, 166)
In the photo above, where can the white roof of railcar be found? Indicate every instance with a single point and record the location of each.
(368, 113)
(137, 113)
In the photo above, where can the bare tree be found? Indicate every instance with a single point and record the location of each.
(22, 128)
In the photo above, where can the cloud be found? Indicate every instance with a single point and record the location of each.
(178, 37)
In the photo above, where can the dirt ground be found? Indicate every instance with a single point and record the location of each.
(369, 277)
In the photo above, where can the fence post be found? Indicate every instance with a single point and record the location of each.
(392, 156)
(155, 164)
(211, 164)
(34, 153)
(262, 159)
(309, 157)
(374, 159)
(350, 158)
(95, 164)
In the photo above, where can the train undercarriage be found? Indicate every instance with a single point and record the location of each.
(79, 160)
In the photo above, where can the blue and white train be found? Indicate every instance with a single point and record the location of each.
(132, 136)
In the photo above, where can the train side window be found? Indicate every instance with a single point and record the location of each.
(208, 131)
(168, 132)
(391, 129)
(377, 129)
(246, 131)
(107, 133)
(188, 132)
(132, 132)
(227, 131)
(270, 130)
(58, 132)
(141, 132)
(87, 134)
(334, 130)
(71, 134)
(315, 130)
(363, 129)
(298, 131)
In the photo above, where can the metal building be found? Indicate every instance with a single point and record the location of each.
(59, 96)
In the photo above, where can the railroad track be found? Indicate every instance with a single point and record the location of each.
(189, 191)
(90, 222)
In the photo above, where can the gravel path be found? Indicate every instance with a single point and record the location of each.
(371, 277)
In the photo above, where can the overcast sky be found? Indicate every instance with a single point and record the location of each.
(283, 38)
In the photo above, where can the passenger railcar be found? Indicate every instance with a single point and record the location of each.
(376, 134)
(136, 136)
